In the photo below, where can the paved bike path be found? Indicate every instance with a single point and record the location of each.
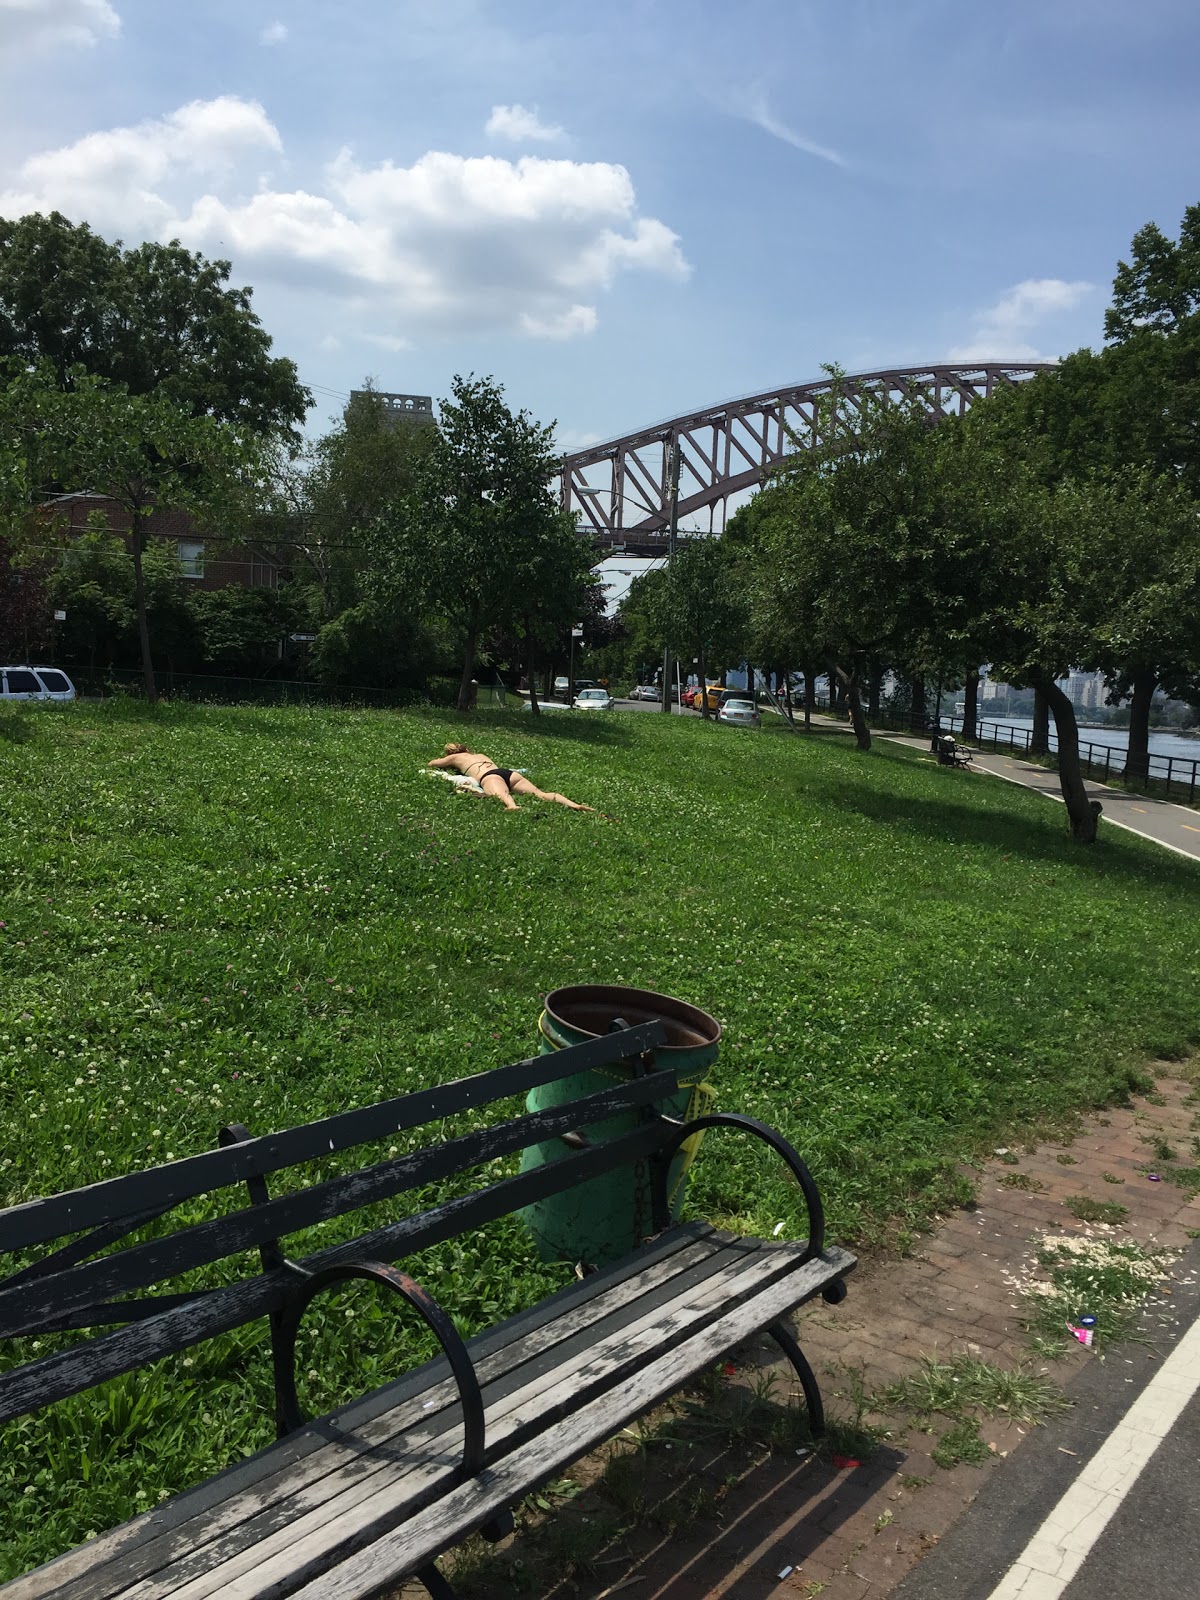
(1174, 827)
(1105, 1502)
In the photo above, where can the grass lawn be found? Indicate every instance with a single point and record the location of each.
(233, 914)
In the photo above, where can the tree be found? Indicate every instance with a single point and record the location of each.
(697, 610)
(847, 547)
(1129, 418)
(1046, 558)
(324, 502)
(240, 630)
(93, 584)
(1159, 288)
(141, 451)
(480, 508)
(25, 623)
(157, 319)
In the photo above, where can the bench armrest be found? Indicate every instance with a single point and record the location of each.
(731, 1119)
(287, 1323)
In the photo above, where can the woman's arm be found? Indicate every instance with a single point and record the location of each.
(442, 761)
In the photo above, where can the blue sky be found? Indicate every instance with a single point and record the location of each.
(622, 210)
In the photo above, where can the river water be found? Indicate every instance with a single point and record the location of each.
(1161, 744)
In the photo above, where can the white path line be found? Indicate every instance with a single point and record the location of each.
(1033, 788)
(1036, 788)
(1061, 1545)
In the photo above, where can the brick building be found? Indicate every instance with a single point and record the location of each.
(208, 562)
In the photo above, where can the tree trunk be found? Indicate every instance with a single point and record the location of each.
(465, 697)
(810, 697)
(971, 706)
(1137, 759)
(787, 699)
(849, 683)
(139, 592)
(1084, 814)
(1039, 740)
(704, 711)
(916, 706)
(530, 673)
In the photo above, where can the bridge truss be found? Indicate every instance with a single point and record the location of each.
(621, 490)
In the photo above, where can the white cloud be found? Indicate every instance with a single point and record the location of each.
(39, 24)
(275, 33)
(450, 244)
(754, 106)
(560, 324)
(115, 180)
(520, 125)
(1001, 331)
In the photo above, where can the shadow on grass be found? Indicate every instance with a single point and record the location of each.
(1042, 838)
(596, 728)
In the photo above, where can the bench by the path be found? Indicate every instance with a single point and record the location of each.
(348, 1505)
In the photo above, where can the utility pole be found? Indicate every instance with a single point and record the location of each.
(672, 529)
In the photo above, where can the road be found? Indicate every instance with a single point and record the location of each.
(1105, 1501)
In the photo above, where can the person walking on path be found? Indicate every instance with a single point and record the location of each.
(500, 782)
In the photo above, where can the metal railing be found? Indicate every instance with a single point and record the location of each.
(1166, 774)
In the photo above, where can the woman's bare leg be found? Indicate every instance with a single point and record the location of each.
(498, 789)
(523, 786)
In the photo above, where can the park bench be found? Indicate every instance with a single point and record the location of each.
(950, 753)
(351, 1503)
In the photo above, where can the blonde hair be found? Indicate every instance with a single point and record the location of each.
(456, 750)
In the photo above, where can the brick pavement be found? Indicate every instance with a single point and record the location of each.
(955, 1296)
(853, 1533)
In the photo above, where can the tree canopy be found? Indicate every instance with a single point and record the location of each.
(481, 532)
(156, 318)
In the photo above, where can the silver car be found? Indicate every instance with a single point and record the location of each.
(35, 683)
(739, 713)
(594, 700)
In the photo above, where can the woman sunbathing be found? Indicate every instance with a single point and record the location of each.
(500, 782)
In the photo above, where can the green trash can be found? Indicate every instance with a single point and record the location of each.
(610, 1215)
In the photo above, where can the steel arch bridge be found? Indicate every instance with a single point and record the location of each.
(621, 490)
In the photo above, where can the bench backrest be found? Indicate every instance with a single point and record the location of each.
(98, 1276)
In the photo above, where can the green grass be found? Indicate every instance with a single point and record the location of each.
(233, 914)
(963, 1384)
(1089, 1210)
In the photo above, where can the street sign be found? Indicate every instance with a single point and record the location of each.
(303, 638)
(577, 633)
(60, 616)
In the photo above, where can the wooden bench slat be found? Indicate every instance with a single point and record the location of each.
(341, 1451)
(36, 1221)
(26, 1307)
(67, 1372)
(124, 1554)
(389, 1556)
(360, 1499)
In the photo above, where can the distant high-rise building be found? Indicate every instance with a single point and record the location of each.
(401, 408)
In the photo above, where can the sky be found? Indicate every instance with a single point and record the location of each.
(624, 210)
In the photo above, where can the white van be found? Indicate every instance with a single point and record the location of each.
(35, 683)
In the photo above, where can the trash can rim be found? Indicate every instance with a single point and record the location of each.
(624, 997)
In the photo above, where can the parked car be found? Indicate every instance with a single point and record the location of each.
(739, 712)
(594, 700)
(35, 683)
(645, 691)
(714, 693)
(562, 687)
